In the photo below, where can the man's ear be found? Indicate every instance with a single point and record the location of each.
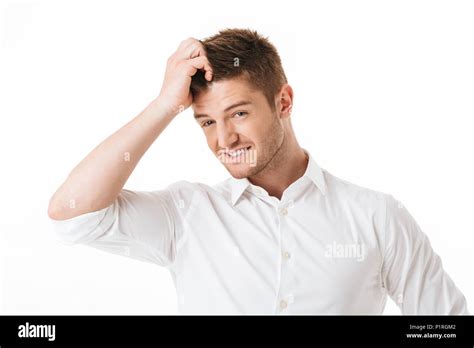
(285, 101)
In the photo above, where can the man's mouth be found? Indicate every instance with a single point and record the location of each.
(238, 152)
(233, 154)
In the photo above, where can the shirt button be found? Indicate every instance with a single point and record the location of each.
(283, 304)
(284, 211)
(286, 255)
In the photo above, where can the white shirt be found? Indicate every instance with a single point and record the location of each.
(327, 247)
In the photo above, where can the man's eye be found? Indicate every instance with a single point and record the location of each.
(207, 123)
(240, 114)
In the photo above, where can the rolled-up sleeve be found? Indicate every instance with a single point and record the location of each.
(144, 225)
(412, 272)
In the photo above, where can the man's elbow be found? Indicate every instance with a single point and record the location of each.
(55, 211)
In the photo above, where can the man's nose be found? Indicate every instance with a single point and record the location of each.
(226, 135)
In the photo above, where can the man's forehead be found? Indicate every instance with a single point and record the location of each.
(223, 93)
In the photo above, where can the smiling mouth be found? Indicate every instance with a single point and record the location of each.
(234, 154)
(238, 152)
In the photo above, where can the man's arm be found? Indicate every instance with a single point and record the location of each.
(98, 179)
(413, 273)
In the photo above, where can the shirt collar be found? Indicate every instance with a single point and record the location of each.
(313, 172)
(238, 186)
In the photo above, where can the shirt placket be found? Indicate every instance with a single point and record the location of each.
(285, 297)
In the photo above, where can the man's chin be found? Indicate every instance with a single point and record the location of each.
(240, 172)
(239, 175)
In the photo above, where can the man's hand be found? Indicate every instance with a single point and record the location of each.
(190, 57)
(98, 179)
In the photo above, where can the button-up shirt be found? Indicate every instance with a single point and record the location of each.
(326, 247)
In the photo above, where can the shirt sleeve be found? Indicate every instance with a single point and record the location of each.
(143, 225)
(412, 272)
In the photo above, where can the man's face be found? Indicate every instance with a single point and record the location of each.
(240, 127)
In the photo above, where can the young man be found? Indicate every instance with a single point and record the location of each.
(281, 235)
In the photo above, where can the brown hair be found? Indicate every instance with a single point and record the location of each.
(242, 52)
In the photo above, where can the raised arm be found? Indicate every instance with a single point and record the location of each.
(98, 179)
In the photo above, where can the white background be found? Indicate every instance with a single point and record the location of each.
(383, 98)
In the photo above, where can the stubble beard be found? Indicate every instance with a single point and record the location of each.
(268, 156)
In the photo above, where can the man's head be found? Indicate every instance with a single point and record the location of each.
(246, 105)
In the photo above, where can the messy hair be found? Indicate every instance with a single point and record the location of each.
(244, 53)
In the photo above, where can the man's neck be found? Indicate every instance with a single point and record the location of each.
(285, 170)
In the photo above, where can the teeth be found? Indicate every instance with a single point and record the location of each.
(236, 153)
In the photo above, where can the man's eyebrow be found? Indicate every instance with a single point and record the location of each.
(240, 103)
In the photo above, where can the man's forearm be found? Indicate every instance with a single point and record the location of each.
(97, 180)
